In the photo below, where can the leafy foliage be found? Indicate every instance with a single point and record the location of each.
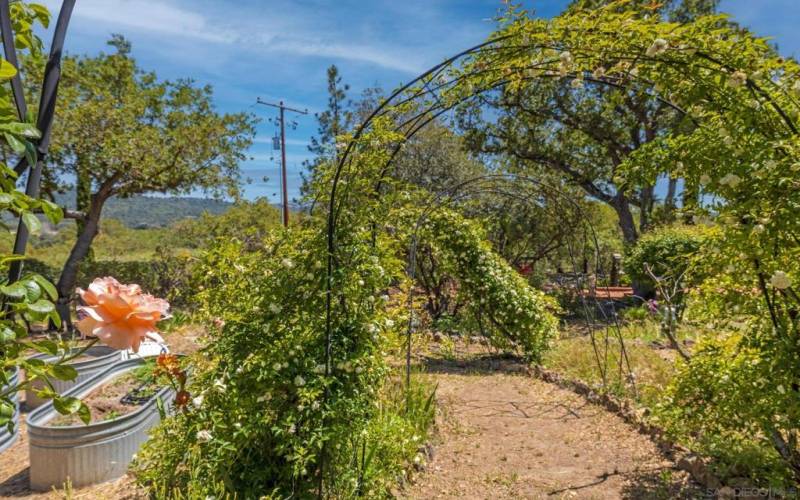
(266, 398)
(123, 132)
(29, 299)
(669, 252)
(509, 311)
(739, 105)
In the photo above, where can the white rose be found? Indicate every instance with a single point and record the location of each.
(204, 436)
(737, 79)
(659, 46)
(780, 280)
(731, 180)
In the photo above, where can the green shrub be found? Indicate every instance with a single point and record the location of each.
(167, 275)
(270, 420)
(504, 305)
(669, 252)
(729, 400)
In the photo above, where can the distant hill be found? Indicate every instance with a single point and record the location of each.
(153, 211)
(147, 211)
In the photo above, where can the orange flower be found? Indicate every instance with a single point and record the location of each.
(182, 398)
(168, 364)
(120, 315)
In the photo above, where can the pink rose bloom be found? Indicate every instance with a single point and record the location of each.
(119, 315)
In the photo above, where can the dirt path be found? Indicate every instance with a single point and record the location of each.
(507, 435)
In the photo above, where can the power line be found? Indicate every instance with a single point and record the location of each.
(283, 108)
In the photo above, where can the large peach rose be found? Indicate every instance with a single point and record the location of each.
(119, 315)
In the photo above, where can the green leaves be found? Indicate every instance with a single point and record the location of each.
(7, 70)
(42, 307)
(15, 290)
(48, 287)
(71, 405)
(64, 372)
(6, 414)
(52, 211)
(24, 130)
(31, 222)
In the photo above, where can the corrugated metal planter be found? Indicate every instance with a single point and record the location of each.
(8, 438)
(94, 453)
(101, 358)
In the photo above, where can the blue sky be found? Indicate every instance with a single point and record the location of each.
(280, 49)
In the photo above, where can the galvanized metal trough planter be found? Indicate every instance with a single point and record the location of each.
(100, 358)
(94, 453)
(8, 438)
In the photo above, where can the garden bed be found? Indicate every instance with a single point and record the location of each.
(62, 449)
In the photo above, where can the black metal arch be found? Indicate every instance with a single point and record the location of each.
(430, 84)
(47, 109)
(477, 185)
(409, 127)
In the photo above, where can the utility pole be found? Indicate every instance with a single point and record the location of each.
(285, 193)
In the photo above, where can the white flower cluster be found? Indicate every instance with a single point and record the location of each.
(780, 280)
(731, 180)
(737, 79)
(659, 46)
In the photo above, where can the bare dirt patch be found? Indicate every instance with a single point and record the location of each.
(502, 434)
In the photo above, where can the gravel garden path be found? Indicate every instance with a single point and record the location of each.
(504, 434)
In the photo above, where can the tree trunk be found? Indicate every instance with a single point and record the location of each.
(69, 274)
(628, 226)
(646, 208)
(626, 222)
(83, 200)
(669, 200)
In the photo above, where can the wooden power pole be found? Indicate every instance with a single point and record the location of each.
(284, 190)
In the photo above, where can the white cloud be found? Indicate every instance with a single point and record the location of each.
(166, 17)
(353, 52)
(146, 15)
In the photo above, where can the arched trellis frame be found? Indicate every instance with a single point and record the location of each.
(565, 49)
(46, 112)
(450, 84)
(492, 184)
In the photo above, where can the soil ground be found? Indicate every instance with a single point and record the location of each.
(505, 435)
(105, 402)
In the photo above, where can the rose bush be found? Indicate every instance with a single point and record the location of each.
(505, 307)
